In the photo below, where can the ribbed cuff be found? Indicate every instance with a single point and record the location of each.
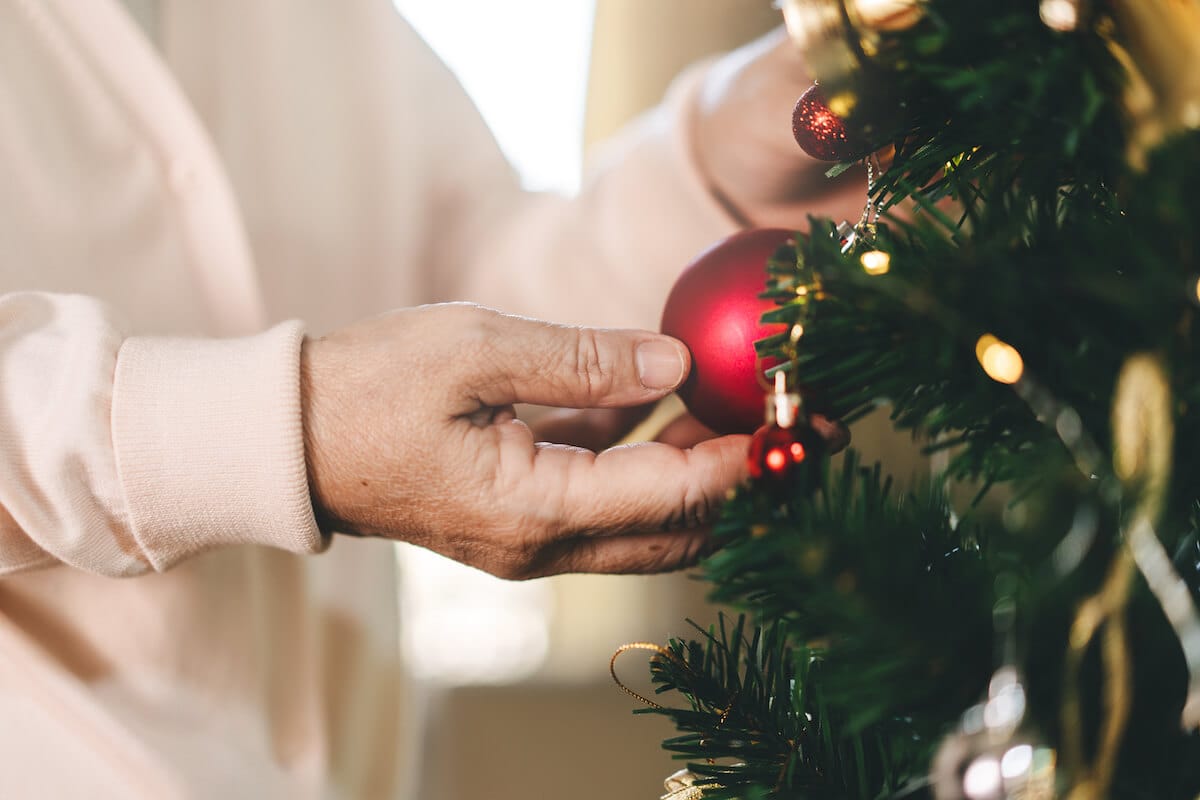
(209, 444)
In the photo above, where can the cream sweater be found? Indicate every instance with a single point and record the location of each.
(166, 629)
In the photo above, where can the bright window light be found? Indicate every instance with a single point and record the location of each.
(524, 63)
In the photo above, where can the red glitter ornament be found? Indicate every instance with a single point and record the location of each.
(821, 133)
(715, 310)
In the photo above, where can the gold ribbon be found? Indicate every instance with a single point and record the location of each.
(683, 784)
(1143, 436)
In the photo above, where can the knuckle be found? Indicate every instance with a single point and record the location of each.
(590, 365)
(511, 570)
(694, 510)
(521, 551)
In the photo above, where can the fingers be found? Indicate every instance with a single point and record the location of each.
(571, 367)
(640, 488)
(835, 434)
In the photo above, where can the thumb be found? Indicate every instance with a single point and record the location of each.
(576, 367)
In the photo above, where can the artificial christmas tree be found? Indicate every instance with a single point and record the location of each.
(1028, 302)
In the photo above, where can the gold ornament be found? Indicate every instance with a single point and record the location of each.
(683, 786)
(1158, 44)
(1143, 435)
(884, 15)
(836, 36)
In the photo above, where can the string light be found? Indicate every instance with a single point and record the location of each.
(1060, 15)
(776, 459)
(999, 360)
(876, 262)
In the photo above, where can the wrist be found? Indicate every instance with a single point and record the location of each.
(314, 424)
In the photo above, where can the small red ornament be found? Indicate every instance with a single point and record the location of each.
(714, 309)
(775, 452)
(785, 446)
(821, 133)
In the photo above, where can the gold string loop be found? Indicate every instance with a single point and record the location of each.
(658, 650)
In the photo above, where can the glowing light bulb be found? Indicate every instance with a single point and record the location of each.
(875, 262)
(999, 360)
(1060, 15)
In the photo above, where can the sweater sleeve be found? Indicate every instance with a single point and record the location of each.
(120, 455)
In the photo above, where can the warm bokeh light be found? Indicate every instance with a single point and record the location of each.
(982, 780)
(797, 452)
(776, 460)
(985, 341)
(876, 262)
(999, 360)
(1060, 15)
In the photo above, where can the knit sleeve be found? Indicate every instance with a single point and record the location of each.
(120, 455)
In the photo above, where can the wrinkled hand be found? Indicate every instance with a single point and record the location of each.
(743, 140)
(411, 434)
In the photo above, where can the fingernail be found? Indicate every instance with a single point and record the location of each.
(660, 364)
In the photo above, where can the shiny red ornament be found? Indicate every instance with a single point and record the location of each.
(785, 448)
(821, 133)
(778, 454)
(715, 310)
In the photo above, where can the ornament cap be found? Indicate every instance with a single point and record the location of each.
(784, 408)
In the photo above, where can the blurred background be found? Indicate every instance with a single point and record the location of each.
(514, 676)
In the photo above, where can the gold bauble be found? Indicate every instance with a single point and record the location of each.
(884, 15)
(683, 785)
(821, 30)
(836, 36)
(1158, 44)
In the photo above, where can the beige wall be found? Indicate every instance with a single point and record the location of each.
(640, 45)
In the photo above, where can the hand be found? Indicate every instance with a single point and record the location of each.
(411, 434)
(743, 140)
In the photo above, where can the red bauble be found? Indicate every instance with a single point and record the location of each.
(777, 454)
(821, 133)
(715, 310)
